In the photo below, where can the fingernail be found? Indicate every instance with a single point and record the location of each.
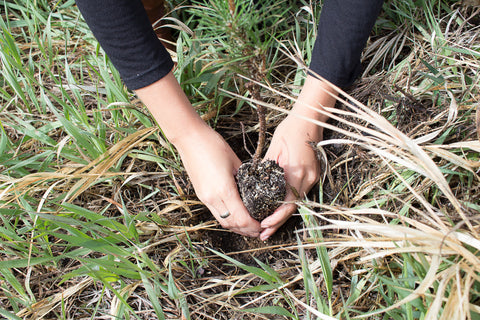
(264, 238)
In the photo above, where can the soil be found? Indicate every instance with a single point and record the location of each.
(245, 249)
(262, 187)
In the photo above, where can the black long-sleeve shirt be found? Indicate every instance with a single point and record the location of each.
(124, 31)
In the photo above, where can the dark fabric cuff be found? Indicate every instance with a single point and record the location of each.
(343, 31)
(150, 76)
(124, 31)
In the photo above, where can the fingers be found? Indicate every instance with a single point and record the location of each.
(235, 216)
(236, 221)
(302, 184)
(290, 149)
(279, 217)
(211, 165)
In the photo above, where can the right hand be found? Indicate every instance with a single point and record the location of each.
(210, 162)
(211, 165)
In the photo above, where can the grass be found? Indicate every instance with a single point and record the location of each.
(98, 220)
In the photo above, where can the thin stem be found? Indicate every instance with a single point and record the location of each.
(261, 123)
(231, 7)
(261, 134)
(244, 141)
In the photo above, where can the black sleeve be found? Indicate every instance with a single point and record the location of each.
(124, 31)
(343, 31)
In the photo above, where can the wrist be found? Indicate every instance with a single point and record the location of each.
(293, 124)
(172, 110)
(197, 133)
(316, 95)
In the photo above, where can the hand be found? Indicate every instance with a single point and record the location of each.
(291, 149)
(211, 165)
(208, 159)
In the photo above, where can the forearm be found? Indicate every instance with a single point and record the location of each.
(207, 158)
(343, 30)
(315, 96)
(172, 110)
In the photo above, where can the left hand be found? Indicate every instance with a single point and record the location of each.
(291, 149)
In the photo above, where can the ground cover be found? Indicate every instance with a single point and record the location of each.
(98, 218)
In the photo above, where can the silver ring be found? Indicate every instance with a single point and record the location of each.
(225, 215)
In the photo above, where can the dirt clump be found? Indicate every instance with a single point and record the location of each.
(262, 187)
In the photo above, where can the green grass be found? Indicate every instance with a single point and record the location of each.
(96, 211)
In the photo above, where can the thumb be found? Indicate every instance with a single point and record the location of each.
(279, 217)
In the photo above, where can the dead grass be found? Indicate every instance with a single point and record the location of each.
(398, 209)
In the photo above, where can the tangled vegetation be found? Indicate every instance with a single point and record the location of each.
(99, 220)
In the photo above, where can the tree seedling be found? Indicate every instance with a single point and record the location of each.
(261, 184)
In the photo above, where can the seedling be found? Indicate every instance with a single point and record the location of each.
(262, 184)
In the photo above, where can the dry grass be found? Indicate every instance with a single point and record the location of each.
(111, 228)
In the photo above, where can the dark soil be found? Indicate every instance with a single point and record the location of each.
(246, 249)
(262, 187)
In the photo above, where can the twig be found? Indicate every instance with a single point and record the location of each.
(232, 7)
(477, 121)
(244, 141)
(261, 134)
(261, 122)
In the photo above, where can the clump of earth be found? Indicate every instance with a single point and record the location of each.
(262, 187)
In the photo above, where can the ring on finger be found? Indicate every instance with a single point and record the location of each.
(225, 215)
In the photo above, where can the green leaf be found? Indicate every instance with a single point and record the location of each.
(95, 217)
(82, 137)
(12, 281)
(172, 288)
(5, 144)
(29, 130)
(153, 296)
(8, 315)
(463, 51)
(256, 271)
(321, 252)
(276, 310)
(438, 79)
(22, 263)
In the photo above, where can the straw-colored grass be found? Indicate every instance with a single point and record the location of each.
(98, 219)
